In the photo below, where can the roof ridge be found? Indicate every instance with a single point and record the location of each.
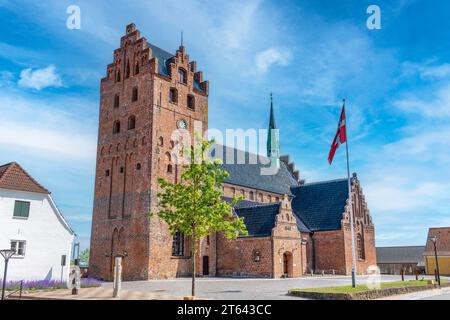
(319, 182)
(8, 166)
(163, 50)
(259, 204)
(12, 164)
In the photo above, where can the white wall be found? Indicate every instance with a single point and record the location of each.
(47, 237)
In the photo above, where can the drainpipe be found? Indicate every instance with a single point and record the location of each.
(313, 243)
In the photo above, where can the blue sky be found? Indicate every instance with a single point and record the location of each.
(310, 54)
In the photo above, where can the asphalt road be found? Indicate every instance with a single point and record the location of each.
(241, 289)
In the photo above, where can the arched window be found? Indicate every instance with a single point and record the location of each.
(191, 102)
(161, 142)
(136, 69)
(118, 76)
(131, 122)
(233, 191)
(261, 197)
(128, 71)
(169, 162)
(134, 96)
(173, 95)
(116, 127)
(269, 198)
(360, 245)
(182, 76)
(116, 101)
(251, 195)
(178, 244)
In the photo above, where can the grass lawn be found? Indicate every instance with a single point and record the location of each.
(363, 287)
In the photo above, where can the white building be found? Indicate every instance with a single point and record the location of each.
(31, 224)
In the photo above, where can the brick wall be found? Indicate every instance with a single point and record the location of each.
(129, 162)
(281, 253)
(237, 257)
(231, 190)
(333, 249)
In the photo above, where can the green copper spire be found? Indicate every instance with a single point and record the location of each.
(273, 140)
(272, 124)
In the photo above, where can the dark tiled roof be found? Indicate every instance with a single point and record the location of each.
(164, 58)
(301, 226)
(249, 175)
(259, 219)
(14, 177)
(411, 254)
(321, 205)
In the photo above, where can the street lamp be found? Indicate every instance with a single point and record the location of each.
(434, 240)
(7, 254)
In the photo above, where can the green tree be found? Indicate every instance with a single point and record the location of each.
(195, 206)
(84, 256)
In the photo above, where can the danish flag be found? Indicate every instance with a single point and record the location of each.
(340, 138)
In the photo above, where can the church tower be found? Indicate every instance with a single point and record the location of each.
(273, 137)
(147, 94)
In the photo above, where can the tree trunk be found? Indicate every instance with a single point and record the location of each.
(194, 251)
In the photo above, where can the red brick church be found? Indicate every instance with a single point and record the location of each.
(294, 228)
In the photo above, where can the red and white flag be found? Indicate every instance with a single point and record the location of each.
(341, 136)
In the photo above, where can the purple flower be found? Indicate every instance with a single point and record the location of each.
(48, 284)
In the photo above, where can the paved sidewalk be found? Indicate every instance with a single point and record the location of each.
(101, 293)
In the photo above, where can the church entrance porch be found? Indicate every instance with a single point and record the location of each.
(287, 265)
(205, 265)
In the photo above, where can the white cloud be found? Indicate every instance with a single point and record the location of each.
(440, 71)
(434, 105)
(46, 140)
(272, 56)
(428, 70)
(6, 79)
(397, 194)
(423, 143)
(40, 79)
(42, 127)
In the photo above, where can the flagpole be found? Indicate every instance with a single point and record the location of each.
(350, 205)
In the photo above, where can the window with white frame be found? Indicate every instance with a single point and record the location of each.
(19, 247)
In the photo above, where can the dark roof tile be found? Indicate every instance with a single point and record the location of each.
(321, 205)
(164, 59)
(259, 219)
(248, 174)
